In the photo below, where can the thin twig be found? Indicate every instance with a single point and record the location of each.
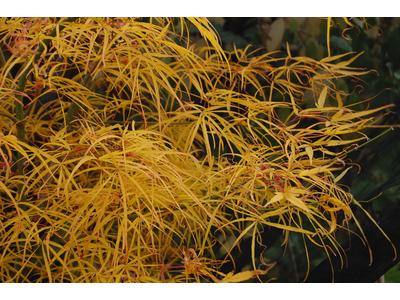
(292, 261)
(8, 116)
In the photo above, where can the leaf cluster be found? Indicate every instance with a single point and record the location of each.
(128, 154)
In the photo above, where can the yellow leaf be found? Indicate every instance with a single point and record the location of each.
(291, 157)
(347, 128)
(243, 276)
(275, 212)
(341, 175)
(310, 153)
(350, 116)
(345, 142)
(323, 150)
(11, 138)
(333, 222)
(202, 25)
(297, 191)
(286, 227)
(313, 171)
(321, 141)
(288, 50)
(339, 206)
(290, 196)
(347, 22)
(346, 63)
(278, 197)
(339, 99)
(376, 224)
(332, 58)
(296, 201)
(162, 33)
(296, 111)
(328, 36)
(227, 277)
(322, 97)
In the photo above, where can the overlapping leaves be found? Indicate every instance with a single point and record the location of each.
(148, 150)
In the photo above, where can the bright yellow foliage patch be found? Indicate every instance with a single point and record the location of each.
(149, 148)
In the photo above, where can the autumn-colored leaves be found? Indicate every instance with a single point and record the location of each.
(206, 149)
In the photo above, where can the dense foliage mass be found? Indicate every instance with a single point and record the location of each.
(129, 154)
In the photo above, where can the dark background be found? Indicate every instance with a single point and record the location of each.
(379, 178)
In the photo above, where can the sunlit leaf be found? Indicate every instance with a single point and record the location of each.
(322, 97)
(243, 276)
(342, 174)
(310, 153)
(151, 145)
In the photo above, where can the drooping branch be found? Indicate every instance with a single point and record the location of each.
(359, 268)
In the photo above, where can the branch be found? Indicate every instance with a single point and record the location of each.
(358, 267)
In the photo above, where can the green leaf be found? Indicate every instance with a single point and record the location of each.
(397, 74)
(311, 49)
